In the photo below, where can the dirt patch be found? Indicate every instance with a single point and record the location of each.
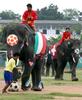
(75, 89)
(63, 89)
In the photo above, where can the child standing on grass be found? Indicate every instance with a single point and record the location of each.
(8, 71)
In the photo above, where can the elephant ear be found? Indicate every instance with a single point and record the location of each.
(16, 29)
(21, 30)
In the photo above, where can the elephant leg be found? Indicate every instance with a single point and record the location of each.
(53, 71)
(74, 78)
(47, 69)
(25, 77)
(43, 69)
(38, 71)
(36, 79)
(55, 66)
(64, 62)
(58, 70)
(33, 77)
(73, 71)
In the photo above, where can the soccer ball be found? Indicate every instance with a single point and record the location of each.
(12, 40)
(14, 87)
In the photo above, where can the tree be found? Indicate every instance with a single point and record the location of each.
(77, 28)
(9, 15)
(71, 14)
(50, 13)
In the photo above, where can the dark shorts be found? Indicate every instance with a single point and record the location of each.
(8, 76)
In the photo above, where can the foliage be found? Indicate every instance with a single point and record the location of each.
(71, 14)
(3, 47)
(77, 28)
(53, 40)
(50, 13)
(81, 37)
(9, 15)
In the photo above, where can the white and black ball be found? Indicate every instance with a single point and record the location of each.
(14, 87)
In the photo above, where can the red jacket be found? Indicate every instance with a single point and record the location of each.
(66, 35)
(29, 17)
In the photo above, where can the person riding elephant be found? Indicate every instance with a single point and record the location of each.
(66, 36)
(29, 16)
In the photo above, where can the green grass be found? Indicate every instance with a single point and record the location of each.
(65, 94)
(1, 74)
(35, 96)
(66, 81)
(26, 96)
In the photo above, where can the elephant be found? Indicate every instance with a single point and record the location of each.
(25, 46)
(68, 51)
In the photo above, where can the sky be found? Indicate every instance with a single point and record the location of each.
(19, 6)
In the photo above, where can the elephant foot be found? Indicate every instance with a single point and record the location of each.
(75, 79)
(56, 78)
(59, 77)
(38, 88)
(24, 88)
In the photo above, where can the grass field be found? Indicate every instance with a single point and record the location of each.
(48, 81)
(66, 81)
(30, 96)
